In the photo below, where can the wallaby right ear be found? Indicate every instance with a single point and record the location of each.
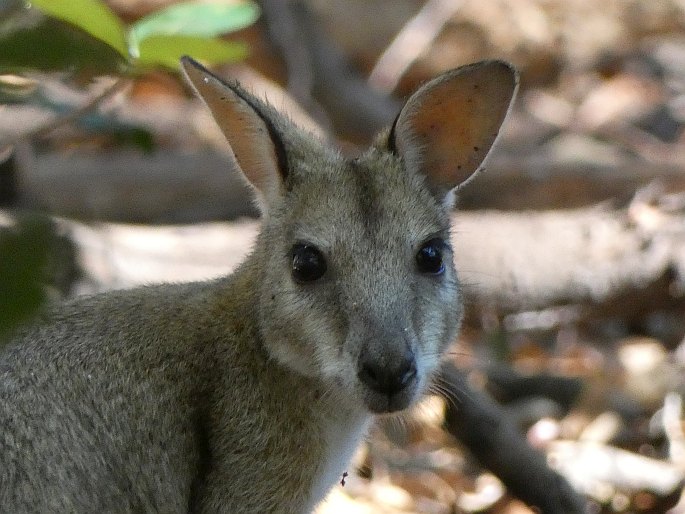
(249, 127)
(446, 129)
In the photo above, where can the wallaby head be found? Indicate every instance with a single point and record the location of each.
(357, 286)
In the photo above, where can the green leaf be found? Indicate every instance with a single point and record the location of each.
(167, 50)
(24, 255)
(31, 41)
(199, 19)
(92, 16)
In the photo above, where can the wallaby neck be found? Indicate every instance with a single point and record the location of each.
(314, 429)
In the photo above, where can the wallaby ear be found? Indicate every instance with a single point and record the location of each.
(446, 129)
(249, 126)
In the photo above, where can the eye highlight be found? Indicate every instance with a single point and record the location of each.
(308, 263)
(429, 258)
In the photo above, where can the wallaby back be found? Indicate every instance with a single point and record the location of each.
(249, 393)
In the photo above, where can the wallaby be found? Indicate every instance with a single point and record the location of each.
(250, 393)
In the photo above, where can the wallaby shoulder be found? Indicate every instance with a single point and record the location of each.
(129, 347)
(195, 349)
(149, 320)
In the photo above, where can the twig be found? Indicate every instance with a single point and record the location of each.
(113, 89)
(672, 413)
(480, 424)
(411, 42)
(587, 464)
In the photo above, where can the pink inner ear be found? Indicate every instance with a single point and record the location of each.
(458, 136)
(452, 122)
(245, 130)
(249, 139)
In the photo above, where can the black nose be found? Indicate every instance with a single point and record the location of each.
(387, 376)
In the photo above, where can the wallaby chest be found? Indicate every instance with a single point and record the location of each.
(342, 434)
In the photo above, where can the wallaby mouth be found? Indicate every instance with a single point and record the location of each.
(379, 403)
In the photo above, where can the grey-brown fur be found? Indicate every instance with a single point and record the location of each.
(244, 394)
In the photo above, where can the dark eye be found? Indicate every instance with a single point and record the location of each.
(308, 263)
(429, 257)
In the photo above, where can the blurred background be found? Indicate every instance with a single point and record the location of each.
(564, 391)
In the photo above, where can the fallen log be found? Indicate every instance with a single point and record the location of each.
(600, 260)
(193, 185)
(534, 270)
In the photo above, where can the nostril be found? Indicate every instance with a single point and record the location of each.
(387, 378)
(408, 372)
(370, 375)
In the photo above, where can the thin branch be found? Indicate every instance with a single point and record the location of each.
(320, 75)
(411, 42)
(118, 85)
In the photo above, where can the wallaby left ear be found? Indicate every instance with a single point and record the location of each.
(251, 127)
(446, 129)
